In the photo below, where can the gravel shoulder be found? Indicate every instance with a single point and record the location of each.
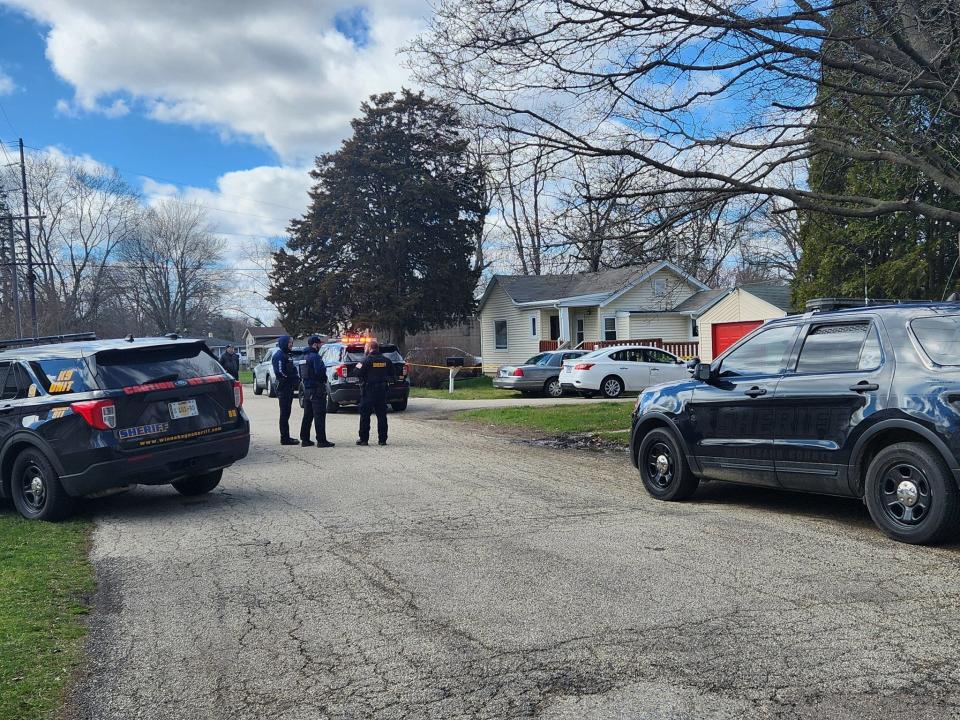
(454, 574)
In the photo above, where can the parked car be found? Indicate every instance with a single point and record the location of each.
(860, 403)
(264, 378)
(539, 374)
(343, 386)
(615, 370)
(81, 418)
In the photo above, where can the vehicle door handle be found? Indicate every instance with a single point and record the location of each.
(864, 386)
(755, 391)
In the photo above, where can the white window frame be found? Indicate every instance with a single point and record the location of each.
(603, 328)
(659, 286)
(694, 328)
(533, 326)
(506, 329)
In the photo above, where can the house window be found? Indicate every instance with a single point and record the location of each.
(500, 333)
(533, 326)
(694, 330)
(659, 286)
(610, 328)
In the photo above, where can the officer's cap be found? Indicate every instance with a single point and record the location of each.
(313, 340)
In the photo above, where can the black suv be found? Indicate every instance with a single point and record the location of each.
(862, 402)
(82, 418)
(343, 385)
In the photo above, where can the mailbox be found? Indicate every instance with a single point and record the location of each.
(455, 362)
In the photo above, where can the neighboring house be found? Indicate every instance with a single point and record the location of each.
(465, 336)
(521, 315)
(258, 340)
(748, 306)
(219, 345)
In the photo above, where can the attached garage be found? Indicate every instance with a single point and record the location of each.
(727, 333)
(740, 312)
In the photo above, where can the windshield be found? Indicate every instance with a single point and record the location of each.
(939, 337)
(535, 360)
(139, 366)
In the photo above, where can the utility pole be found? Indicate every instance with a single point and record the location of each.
(15, 280)
(31, 280)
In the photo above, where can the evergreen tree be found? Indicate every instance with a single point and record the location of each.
(901, 256)
(388, 239)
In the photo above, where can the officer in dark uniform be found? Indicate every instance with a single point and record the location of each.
(314, 377)
(376, 372)
(287, 381)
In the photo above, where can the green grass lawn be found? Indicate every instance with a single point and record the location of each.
(45, 581)
(479, 388)
(246, 377)
(605, 419)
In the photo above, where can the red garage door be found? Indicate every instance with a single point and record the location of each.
(726, 334)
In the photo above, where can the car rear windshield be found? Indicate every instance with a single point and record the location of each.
(59, 376)
(939, 336)
(140, 366)
(391, 352)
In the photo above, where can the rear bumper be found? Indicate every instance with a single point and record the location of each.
(160, 467)
(516, 383)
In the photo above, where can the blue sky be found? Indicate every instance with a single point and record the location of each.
(134, 144)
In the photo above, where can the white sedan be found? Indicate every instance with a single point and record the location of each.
(615, 370)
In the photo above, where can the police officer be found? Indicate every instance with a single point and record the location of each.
(375, 373)
(314, 396)
(230, 361)
(287, 380)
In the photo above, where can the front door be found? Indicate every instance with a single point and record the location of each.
(732, 415)
(554, 327)
(833, 385)
(579, 334)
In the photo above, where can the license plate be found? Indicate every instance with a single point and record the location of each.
(183, 409)
(567, 368)
(353, 380)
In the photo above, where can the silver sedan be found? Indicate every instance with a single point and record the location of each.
(539, 374)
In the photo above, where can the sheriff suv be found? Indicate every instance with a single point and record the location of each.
(343, 384)
(85, 417)
(862, 402)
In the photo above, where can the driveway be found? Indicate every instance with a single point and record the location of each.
(456, 575)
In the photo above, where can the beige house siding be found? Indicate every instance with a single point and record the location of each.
(738, 306)
(520, 343)
(671, 328)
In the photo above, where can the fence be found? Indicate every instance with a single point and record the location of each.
(680, 349)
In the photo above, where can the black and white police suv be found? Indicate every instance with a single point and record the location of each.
(343, 385)
(81, 416)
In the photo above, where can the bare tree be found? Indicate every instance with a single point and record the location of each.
(85, 211)
(595, 215)
(174, 263)
(717, 95)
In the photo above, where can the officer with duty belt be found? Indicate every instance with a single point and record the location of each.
(376, 372)
(314, 378)
(287, 380)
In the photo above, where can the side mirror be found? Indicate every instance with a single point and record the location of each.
(703, 372)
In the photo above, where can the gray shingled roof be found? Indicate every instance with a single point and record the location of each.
(536, 288)
(701, 301)
(775, 292)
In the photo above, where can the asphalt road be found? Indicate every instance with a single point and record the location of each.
(453, 574)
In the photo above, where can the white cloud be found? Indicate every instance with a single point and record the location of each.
(279, 73)
(7, 86)
(251, 210)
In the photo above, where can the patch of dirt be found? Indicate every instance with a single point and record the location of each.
(584, 441)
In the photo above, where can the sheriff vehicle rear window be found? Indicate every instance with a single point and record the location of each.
(59, 376)
(140, 366)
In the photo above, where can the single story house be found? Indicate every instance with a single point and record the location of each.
(258, 340)
(659, 304)
(746, 307)
(219, 345)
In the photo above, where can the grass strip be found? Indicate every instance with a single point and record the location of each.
(478, 388)
(45, 582)
(599, 417)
